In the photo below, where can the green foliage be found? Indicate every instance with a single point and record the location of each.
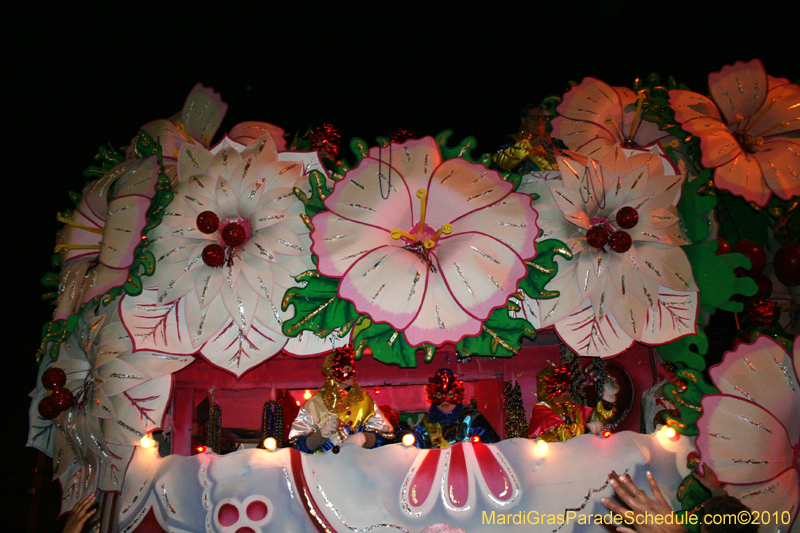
(687, 401)
(543, 268)
(387, 345)
(462, 149)
(318, 309)
(501, 335)
(319, 191)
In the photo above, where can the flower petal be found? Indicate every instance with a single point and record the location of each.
(779, 498)
(584, 137)
(779, 160)
(589, 336)
(741, 441)
(202, 113)
(247, 132)
(779, 116)
(743, 177)
(592, 101)
(762, 373)
(388, 284)
(458, 188)
(236, 352)
(415, 160)
(512, 221)
(717, 144)
(364, 197)
(739, 89)
(688, 105)
(440, 319)
(480, 271)
(339, 242)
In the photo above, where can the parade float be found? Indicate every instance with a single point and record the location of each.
(200, 279)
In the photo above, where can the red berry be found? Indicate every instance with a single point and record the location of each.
(53, 378)
(722, 246)
(787, 264)
(627, 217)
(597, 236)
(207, 222)
(47, 408)
(214, 255)
(234, 235)
(754, 252)
(63, 398)
(620, 242)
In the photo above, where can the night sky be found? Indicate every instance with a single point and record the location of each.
(84, 77)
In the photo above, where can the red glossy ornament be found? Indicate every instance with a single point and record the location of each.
(53, 378)
(787, 264)
(214, 255)
(207, 222)
(47, 408)
(754, 252)
(63, 398)
(627, 217)
(234, 234)
(597, 237)
(722, 246)
(764, 287)
(620, 242)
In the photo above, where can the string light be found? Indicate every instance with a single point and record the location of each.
(541, 446)
(670, 432)
(306, 396)
(146, 441)
(201, 449)
(476, 438)
(409, 439)
(270, 443)
(606, 433)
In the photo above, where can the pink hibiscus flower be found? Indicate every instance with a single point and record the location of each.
(749, 131)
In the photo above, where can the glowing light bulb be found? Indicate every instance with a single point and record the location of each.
(146, 441)
(606, 433)
(377, 390)
(409, 439)
(297, 402)
(476, 438)
(541, 446)
(270, 443)
(201, 449)
(670, 432)
(306, 395)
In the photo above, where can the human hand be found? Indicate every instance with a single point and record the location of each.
(594, 427)
(610, 390)
(356, 439)
(642, 506)
(709, 480)
(329, 426)
(79, 515)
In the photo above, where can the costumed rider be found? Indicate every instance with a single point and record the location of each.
(341, 413)
(448, 420)
(558, 418)
(531, 149)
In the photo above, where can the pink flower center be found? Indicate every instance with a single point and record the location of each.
(422, 239)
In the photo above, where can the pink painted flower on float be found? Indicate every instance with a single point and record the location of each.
(430, 247)
(750, 433)
(226, 251)
(749, 131)
(629, 280)
(98, 240)
(594, 117)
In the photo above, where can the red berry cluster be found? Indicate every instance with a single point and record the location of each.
(233, 235)
(619, 241)
(59, 399)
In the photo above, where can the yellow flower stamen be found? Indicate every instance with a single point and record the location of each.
(616, 128)
(398, 233)
(422, 194)
(60, 247)
(182, 130)
(637, 116)
(61, 218)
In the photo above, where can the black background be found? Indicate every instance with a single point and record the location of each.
(82, 75)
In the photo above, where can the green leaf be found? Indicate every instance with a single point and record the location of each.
(317, 306)
(715, 279)
(687, 402)
(387, 345)
(501, 335)
(463, 149)
(543, 268)
(319, 191)
(693, 206)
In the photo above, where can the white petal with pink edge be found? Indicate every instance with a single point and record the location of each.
(339, 242)
(415, 160)
(739, 89)
(589, 336)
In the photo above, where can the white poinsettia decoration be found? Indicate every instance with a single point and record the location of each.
(430, 247)
(226, 251)
(629, 280)
(750, 433)
(119, 397)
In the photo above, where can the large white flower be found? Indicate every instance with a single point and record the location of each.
(120, 396)
(228, 247)
(750, 434)
(430, 247)
(628, 279)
